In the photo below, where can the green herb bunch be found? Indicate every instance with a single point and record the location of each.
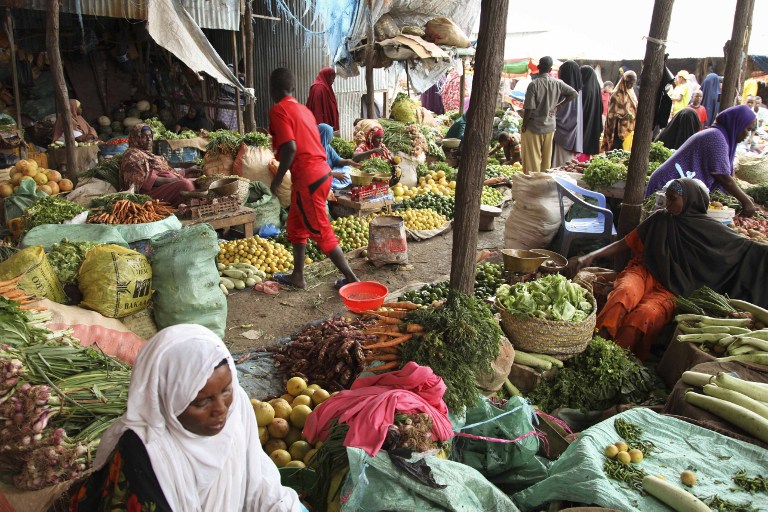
(603, 172)
(66, 257)
(50, 210)
(343, 148)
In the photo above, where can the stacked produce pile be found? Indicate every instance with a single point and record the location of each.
(57, 399)
(107, 170)
(419, 219)
(344, 148)
(607, 169)
(434, 137)
(268, 256)
(488, 278)
(227, 142)
(281, 421)
(444, 205)
(237, 276)
(435, 182)
(66, 257)
(402, 137)
(50, 210)
(352, 233)
(127, 208)
(552, 297)
(46, 180)
(491, 197)
(755, 228)
(503, 171)
(159, 132)
(657, 156)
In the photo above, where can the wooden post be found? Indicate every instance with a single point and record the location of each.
(60, 85)
(407, 79)
(653, 66)
(737, 49)
(15, 77)
(462, 86)
(370, 103)
(469, 186)
(250, 107)
(236, 66)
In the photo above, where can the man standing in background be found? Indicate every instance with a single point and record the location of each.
(542, 99)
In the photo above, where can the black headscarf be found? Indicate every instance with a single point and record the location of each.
(570, 74)
(592, 108)
(691, 250)
(199, 122)
(685, 124)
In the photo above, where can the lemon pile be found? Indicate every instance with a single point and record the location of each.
(434, 182)
(421, 218)
(265, 255)
(282, 420)
(491, 197)
(352, 232)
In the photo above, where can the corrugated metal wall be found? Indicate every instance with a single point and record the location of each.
(281, 44)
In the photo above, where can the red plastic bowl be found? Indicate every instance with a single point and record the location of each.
(363, 295)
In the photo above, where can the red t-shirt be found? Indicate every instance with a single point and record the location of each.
(702, 113)
(289, 120)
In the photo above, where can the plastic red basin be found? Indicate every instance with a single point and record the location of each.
(363, 295)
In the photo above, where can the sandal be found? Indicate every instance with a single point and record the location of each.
(340, 282)
(283, 279)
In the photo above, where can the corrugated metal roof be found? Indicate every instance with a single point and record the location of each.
(219, 14)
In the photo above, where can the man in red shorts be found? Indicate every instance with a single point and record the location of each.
(296, 140)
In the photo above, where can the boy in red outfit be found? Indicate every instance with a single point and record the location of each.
(296, 140)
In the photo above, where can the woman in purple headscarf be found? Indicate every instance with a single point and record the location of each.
(708, 156)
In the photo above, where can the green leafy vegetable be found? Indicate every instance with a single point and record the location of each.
(107, 170)
(258, 139)
(404, 109)
(66, 258)
(345, 149)
(433, 136)
(50, 210)
(552, 297)
(759, 193)
(600, 377)
(659, 153)
(376, 166)
(603, 172)
(223, 142)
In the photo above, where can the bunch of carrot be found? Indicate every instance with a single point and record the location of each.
(391, 331)
(128, 212)
(9, 289)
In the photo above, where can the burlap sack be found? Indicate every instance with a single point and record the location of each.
(491, 383)
(219, 164)
(445, 32)
(253, 163)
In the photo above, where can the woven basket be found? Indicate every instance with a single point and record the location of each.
(753, 169)
(243, 185)
(552, 337)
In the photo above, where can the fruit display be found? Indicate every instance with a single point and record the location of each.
(237, 276)
(282, 420)
(755, 228)
(488, 278)
(435, 182)
(491, 197)
(503, 171)
(421, 219)
(352, 232)
(444, 205)
(312, 252)
(427, 294)
(47, 180)
(268, 256)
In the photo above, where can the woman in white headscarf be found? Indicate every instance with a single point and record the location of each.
(188, 440)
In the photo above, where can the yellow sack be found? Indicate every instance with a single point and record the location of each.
(115, 281)
(39, 278)
(626, 145)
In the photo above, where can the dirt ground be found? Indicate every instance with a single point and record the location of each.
(256, 320)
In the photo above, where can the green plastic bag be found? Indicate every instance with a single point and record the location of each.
(49, 234)
(509, 465)
(265, 205)
(17, 203)
(186, 279)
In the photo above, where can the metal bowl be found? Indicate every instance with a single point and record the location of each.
(559, 261)
(451, 143)
(360, 179)
(522, 261)
(224, 187)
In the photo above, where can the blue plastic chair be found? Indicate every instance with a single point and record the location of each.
(591, 227)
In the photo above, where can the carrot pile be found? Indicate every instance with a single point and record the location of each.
(9, 289)
(128, 212)
(391, 331)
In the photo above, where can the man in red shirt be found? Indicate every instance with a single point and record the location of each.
(696, 105)
(296, 140)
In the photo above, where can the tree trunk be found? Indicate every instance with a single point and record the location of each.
(369, 95)
(469, 186)
(250, 109)
(14, 76)
(60, 85)
(236, 67)
(653, 67)
(737, 49)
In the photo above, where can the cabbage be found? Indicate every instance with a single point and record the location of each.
(552, 297)
(404, 109)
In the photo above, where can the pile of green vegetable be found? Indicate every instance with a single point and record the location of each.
(488, 278)
(258, 139)
(605, 170)
(107, 170)
(50, 210)
(402, 137)
(491, 196)
(427, 294)
(159, 132)
(422, 171)
(759, 193)
(724, 199)
(705, 301)
(433, 137)
(223, 142)
(600, 377)
(444, 205)
(66, 257)
(376, 166)
(404, 109)
(461, 340)
(343, 148)
(552, 297)
(657, 156)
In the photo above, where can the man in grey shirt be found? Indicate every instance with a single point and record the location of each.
(542, 99)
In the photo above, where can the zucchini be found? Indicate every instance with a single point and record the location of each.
(227, 282)
(697, 379)
(235, 274)
(250, 281)
(760, 334)
(527, 359)
(708, 320)
(756, 343)
(740, 416)
(740, 350)
(753, 390)
(546, 357)
(223, 289)
(701, 338)
(511, 389)
(757, 312)
(239, 284)
(746, 358)
(676, 498)
(737, 398)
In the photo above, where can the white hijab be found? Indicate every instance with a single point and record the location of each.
(226, 472)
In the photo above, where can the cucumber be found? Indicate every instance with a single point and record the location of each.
(676, 498)
(242, 266)
(239, 284)
(697, 379)
(223, 289)
(220, 266)
(250, 281)
(257, 279)
(546, 357)
(701, 338)
(735, 414)
(228, 283)
(235, 274)
(707, 320)
(758, 313)
(527, 359)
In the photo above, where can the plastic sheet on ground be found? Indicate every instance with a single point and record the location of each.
(375, 484)
(425, 234)
(257, 375)
(578, 476)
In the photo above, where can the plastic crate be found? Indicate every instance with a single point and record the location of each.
(181, 155)
(375, 190)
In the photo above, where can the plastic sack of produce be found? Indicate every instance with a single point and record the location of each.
(265, 205)
(534, 219)
(89, 189)
(115, 281)
(252, 162)
(38, 278)
(186, 279)
(19, 201)
(376, 484)
(49, 234)
(445, 32)
(507, 464)
(387, 242)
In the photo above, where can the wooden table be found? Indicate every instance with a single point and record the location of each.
(363, 208)
(243, 216)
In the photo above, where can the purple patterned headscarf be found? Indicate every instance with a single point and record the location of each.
(733, 121)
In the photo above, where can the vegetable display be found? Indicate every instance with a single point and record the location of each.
(488, 278)
(50, 210)
(552, 297)
(600, 377)
(724, 199)
(604, 172)
(265, 255)
(376, 166)
(705, 301)
(125, 211)
(404, 109)
(66, 257)
(421, 219)
(444, 205)
(344, 148)
(449, 173)
(236, 276)
(107, 202)
(401, 137)
(759, 193)
(657, 155)
(434, 182)
(755, 228)
(461, 339)
(433, 137)
(223, 142)
(503, 171)
(159, 132)
(258, 139)
(107, 170)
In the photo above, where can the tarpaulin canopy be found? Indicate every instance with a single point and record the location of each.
(171, 26)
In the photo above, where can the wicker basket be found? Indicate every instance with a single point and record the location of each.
(243, 187)
(552, 337)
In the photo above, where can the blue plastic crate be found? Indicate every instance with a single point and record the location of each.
(179, 155)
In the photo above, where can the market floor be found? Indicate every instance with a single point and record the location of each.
(256, 320)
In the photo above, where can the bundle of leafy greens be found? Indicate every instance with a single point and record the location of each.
(50, 210)
(159, 132)
(461, 340)
(66, 257)
(107, 170)
(602, 376)
(552, 297)
(257, 139)
(376, 166)
(759, 193)
(343, 148)
(433, 136)
(404, 109)
(602, 172)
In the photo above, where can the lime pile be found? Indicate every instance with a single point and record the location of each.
(444, 205)
(491, 197)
